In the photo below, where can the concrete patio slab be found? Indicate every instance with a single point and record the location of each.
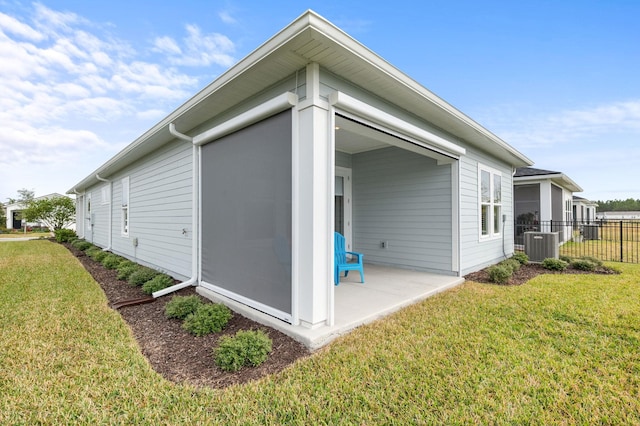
(385, 291)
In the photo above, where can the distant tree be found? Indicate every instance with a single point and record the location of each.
(56, 212)
(619, 205)
(24, 196)
(3, 216)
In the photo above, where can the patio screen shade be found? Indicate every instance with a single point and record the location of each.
(246, 212)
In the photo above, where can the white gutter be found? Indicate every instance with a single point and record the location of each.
(194, 219)
(110, 239)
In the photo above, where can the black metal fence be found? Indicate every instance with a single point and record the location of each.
(608, 240)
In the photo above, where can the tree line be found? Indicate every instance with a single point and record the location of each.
(619, 205)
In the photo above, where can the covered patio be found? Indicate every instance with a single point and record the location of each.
(385, 291)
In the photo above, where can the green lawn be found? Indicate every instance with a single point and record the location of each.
(562, 349)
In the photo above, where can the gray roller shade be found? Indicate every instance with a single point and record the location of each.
(246, 212)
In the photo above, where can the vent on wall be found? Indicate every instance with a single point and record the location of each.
(541, 245)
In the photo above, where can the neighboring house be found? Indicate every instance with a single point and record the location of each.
(14, 212)
(621, 215)
(543, 197)
(240, 189)
(584, 211)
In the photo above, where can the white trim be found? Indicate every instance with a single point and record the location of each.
(264, 110)
(455, 217)
(427, 139)
(295, 218)
(346, 173)
(249, 302)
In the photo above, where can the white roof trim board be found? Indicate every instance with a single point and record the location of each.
(309, 39)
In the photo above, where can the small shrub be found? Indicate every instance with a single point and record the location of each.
(208, 318)
(64, 235)
(594, 260)
(111, 261)
(499, 274)
(91, 251)
(565, 258)
(554, 264)
(521, 257)
(126, 269)
(583, 265)
(181, 306)
(512, 264)
(99, 255)
(250, 348)
(157, 283)
(141, 276)
(82, 245)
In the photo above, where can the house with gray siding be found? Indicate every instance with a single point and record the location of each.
(542, 198)
(239, 190)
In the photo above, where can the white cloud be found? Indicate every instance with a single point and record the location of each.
(166, 45)
(524, 129)
(227, 18)
(72, 90)
(11, 25)
(204, 49)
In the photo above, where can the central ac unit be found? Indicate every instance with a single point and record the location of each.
(541, 245)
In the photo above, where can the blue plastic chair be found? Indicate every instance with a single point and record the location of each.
(341, 260)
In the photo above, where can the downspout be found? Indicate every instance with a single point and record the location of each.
(193, 281)
(110, 239)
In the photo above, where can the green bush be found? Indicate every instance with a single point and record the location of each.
(64, 235)
(521, 257)
(99, 257)
(157, 283)
(208, 318)
(499, 274)
(584, 265)
(181, 306)
(594, 260)
(126, 269)
(111, 261)
(142, 275)
(565, 258)
(91, 251)
(82, 245)
(250, 348)
(512, 264)
(554, 264)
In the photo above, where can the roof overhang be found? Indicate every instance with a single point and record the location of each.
(310, 39)
(559, 179)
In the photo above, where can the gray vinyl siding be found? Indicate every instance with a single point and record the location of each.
(476, 253)
(160, 197)
(343, 160)
(405, 199)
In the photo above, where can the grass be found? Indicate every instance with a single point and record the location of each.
(562, 349)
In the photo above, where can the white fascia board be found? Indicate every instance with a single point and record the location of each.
(260, 112)
(353, 105)
(558, 178)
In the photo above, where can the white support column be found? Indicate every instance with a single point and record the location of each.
(313, 202)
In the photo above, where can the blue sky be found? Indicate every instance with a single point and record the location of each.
(558, 80)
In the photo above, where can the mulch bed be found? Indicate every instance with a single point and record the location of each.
(178, 355)
(532, 270)
(183, 358)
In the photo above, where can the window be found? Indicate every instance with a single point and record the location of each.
(125, 207)
(106, 194)
(490, 202)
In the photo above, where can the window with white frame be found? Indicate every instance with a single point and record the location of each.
(125, 207)
(490, 201)
(106, 194)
